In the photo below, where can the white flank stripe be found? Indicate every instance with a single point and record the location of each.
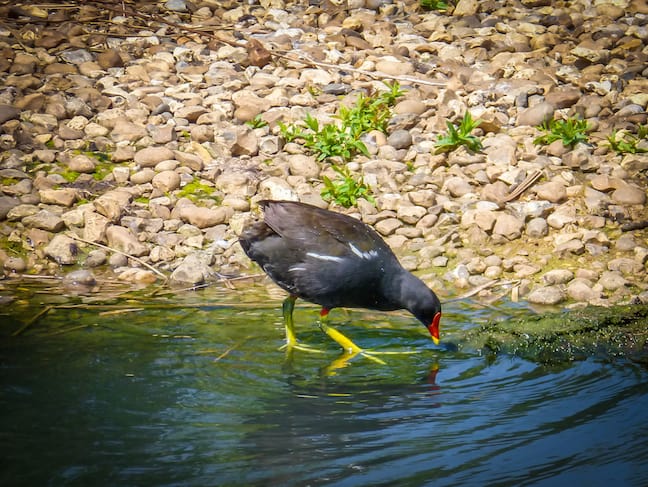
(332, 258)
(363, 255)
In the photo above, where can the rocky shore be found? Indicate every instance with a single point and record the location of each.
(125, 151)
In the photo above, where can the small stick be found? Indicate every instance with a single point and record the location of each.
(524, 185)
(230, 349)
(120, 311)
(38, 315)
(136, 259)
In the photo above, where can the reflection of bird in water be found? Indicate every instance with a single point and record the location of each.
(335, 261)
(317, 431)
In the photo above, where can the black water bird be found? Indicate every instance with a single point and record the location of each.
(334, 260)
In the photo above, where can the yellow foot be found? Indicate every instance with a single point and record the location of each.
(351, 350)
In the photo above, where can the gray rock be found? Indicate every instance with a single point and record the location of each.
(508, 226)
(458, 186)
(558, 276)
(388, 226)
(581, 290)
(15, 264)
(552, 191)
(193, 270)
(117, 260)
(205, 217)
(628, 267)
(76, 56)
(400, 139)
(151, 156)
(45, 220)
(410, 214)
(166, 181)
(612, 280)
(94, 228)
(574, 246)
(80, 277)
(537, 228)
(96, 258)
(7, 203)
(64, 197)
(423, 197)
(145, 175)
(629, 194)
(547, 295)
(122, 239)
(536, 115)
(112, 204)
(563, 215)
(19, 212)
(303, 165)
(8, 112)
(62, 249)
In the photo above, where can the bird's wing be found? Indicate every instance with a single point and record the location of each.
(322, 230)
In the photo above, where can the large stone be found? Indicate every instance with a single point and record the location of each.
(548, 295)
(95, 227)
(45, 220)
(64, 197)
(581, 290)
(62, 249)
(122, 239)
(303, 165)
(553, 191)
(7, 203)
(536, 115)
(388, 226)
(205, 217)
(410, 214)
(558, 276)
(166, 181)
(508, 226)
(193, 270)
(112, 204)
(151, 156)
(629, 194)
(562, 216)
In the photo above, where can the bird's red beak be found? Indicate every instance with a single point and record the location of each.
(434, 328)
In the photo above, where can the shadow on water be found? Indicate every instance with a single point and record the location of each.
(192, 389)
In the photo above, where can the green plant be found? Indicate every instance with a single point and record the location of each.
(331, 141)
(346, 189)
(102, 169)
(196, 190)
(343, 139)
(459, 135)
(257, 122)
(290, 132)
(570, 131)
(69, 176)
(624, 142)
(433, 5)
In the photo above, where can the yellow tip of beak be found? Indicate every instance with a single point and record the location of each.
(436, 340)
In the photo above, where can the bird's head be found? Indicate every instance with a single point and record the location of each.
(429, 314)
(424, 305)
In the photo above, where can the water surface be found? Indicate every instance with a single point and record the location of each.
(192, 389)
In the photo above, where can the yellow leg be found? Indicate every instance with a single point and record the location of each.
(291, 339)
(350, 348)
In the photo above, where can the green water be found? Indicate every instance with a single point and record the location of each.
(191, 389)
